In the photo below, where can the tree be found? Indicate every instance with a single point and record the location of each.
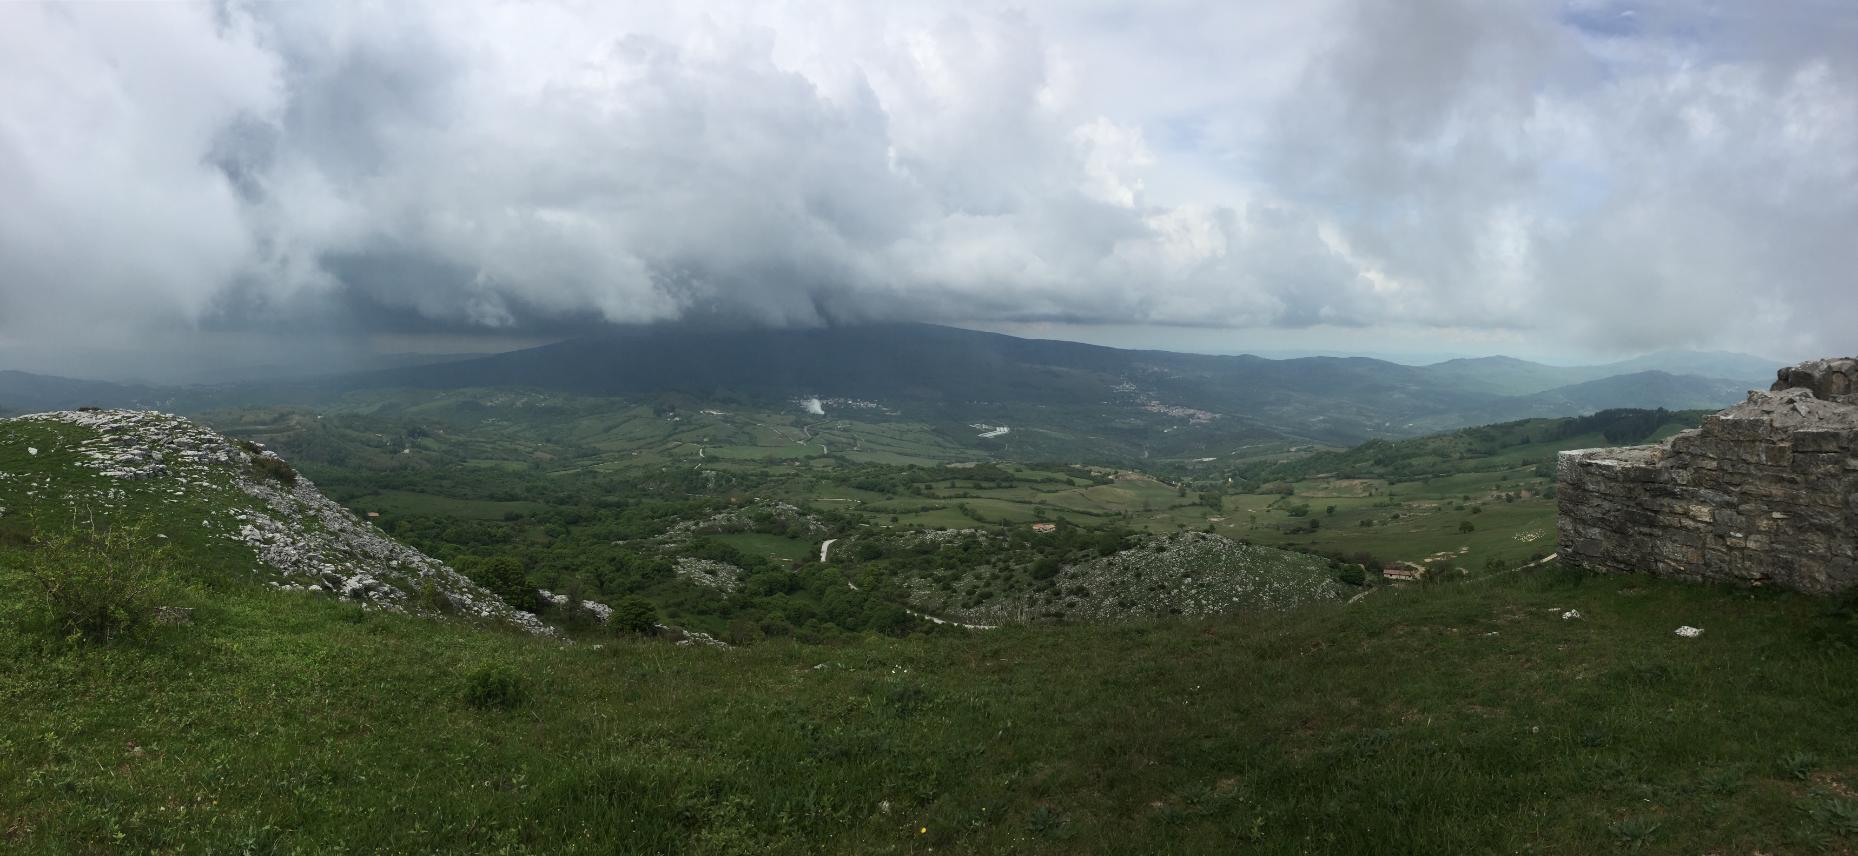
(505, 577)
(1466, 527)
(633, 614)
(573, 613)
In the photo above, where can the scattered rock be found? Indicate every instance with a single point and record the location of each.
(1185, 573)
(307, 540)
(1689, 632)
(597, 609)
(721, 576)
(1572, 615)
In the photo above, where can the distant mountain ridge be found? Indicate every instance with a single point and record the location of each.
(958, 376)
(24, 392)
(1511, 376)
(1329, 398)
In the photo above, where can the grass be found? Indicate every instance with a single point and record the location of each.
(1438, 719)
(780, 450)
(1443, 718)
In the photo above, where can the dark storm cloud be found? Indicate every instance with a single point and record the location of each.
(1623, 176)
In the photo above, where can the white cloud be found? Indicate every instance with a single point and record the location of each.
(1565, 171)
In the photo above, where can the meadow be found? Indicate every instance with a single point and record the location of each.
(1447, 718)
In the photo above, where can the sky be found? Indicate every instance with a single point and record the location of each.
(277, 182)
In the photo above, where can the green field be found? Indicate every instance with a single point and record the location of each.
(1478, 500)
(1442, 719)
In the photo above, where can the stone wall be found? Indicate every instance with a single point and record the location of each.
(1765, 492)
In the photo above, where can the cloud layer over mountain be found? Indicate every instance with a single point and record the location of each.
(1619, 176)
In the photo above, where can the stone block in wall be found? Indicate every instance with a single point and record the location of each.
(1765, 492)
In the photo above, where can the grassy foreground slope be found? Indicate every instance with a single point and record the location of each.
(1442, 719)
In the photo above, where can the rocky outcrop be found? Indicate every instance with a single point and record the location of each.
(1765, 492)
(1185, 573)
(302, 540)
(1832, 380)
(721, 576)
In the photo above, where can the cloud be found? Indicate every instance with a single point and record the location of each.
(1619, 177)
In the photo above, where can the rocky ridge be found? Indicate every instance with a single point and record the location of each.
(301, 539)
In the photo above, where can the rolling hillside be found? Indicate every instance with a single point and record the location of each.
(1097, 403)
(1535, 711)
(973, 374)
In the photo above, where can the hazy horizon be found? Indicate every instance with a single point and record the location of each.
(184, 365)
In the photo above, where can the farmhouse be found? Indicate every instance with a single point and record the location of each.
(1405, 571)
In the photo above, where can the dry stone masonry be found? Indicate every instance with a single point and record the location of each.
(1765, 492)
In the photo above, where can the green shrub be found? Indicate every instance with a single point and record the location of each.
(99, 586)
(494, 686)
(505, 577)
(274, 469)
(633, 614)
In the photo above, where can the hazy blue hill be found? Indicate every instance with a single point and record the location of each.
(1511, 376)
(1649, 389)
(1742, 368)
(1131, 402)
(1339, 398)
(24, 392)
(1508, 375)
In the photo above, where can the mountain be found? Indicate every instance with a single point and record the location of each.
(1511, 376)
(23, 392)
(1506, 375)
(1757, 372)
(1110, 402)
(970, 375)
(963, 373)
(165, 366)
(1643, 390)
